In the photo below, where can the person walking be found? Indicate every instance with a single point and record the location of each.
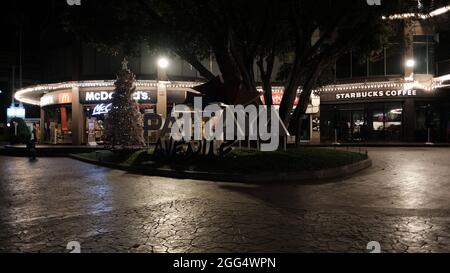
(34, 132)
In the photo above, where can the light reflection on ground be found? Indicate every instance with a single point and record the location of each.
(403, 202)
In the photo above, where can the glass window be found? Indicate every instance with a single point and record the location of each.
(366, 122)
(378, 120)
(58, 125)
(428, 116)
(327, 122)
(393, 120)
(420, 56)
(394, 59)
(420, 38)
(359, 125)
(431, 59)
(424, 49)
(359, 67)
(376, 65)
(343, 67)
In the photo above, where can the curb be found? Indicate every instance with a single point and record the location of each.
(380, 145)
(45, 151)
(235, 177)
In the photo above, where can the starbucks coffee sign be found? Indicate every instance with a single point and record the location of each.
(373, 95)
(376, 94)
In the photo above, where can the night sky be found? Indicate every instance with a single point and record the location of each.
(36, 21)
(39, 23)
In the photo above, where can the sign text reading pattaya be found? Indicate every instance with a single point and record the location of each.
(216, 123)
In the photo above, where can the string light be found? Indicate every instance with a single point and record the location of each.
(422, 16)
(31, 95)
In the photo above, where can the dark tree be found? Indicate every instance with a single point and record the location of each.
(243, 35)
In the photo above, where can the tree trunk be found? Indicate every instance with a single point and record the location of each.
(290, 91)
(298, 135)
(226, 65)
(266, 77)
(304, 99)
(267, 88)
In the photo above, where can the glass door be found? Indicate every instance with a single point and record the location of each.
(345, 126)
(359, 125)
(352, 125)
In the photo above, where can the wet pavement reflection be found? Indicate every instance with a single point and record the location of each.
(403, 202)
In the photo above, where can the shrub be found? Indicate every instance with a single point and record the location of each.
(23, 132)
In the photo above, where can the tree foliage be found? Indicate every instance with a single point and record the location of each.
(245, 37)
(23, 132)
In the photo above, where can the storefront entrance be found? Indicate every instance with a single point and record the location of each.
(374, 122)
(352, 124)
(58, 124)
(436, 117)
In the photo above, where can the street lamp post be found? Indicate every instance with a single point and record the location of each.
(163, 64)
(161, 105)
(410, 63)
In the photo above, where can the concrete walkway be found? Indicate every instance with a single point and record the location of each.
(403, 202)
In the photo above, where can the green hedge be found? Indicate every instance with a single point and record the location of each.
(23, 132)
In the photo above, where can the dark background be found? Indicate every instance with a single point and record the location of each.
(31, 24)
(36, 27)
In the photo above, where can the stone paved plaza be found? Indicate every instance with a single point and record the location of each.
(403, 202)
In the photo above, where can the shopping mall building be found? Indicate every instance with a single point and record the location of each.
(403, 95)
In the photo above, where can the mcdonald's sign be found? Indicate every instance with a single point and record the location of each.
(64, 98)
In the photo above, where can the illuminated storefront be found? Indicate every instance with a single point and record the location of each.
(385, 112)
(74, 112)
(56, 120)
(310, 125)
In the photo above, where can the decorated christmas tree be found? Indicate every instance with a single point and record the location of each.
(124, 123)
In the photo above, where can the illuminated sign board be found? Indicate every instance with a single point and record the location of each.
(15, 112)
(56, 98)
(64, 98)
(93, 97)
(47, 100)
(376, 94)
(277, 96)
(102, 108)
(371, 95)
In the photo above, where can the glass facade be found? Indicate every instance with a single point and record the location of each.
(424, 52)
(376, 65)
(388, 62)
(94, 125)
(58, 124)
(362, 122)
(436, 117)
(343, 67)
(402, 121)
(394, 59)
(95, 115)
(391, 118)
